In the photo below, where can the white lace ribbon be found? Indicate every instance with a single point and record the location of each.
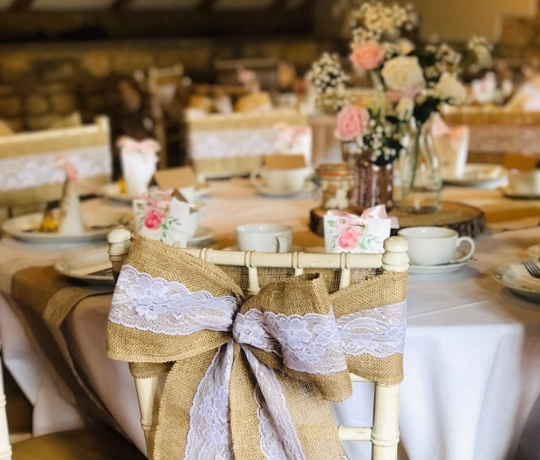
(26, 171)
(147, 303)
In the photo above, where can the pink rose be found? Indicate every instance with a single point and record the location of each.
(153, 220)
(351, 122)
(368, 56)
(348, 239)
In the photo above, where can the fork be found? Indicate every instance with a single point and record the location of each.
(532, 268)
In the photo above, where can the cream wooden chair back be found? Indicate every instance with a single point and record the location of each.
(384, 434)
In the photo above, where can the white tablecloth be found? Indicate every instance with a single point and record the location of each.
(472, 360)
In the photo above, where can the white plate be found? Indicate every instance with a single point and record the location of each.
(516, 278)
(202, 235)
(26, 227)
(264, 190)
(294, 248)
(91, 266)
(482, 176)
(509, 193)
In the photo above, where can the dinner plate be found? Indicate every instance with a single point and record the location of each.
(482, 176)
(509, 193)
(202, 235)
(515, 277)
(264, 190)
(91, 266)
(98, 225)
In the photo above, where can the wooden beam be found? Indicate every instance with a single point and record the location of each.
(20, 5)
(121, 5)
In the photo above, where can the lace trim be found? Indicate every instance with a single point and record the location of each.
(278, 436)
(168, 307)
(28, 171)
(317, 343)
(309, 343)
(209, 435)
(207, 145)
(378, 332)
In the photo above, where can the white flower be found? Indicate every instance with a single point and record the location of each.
(403, 74)
(405, 46)
(405, 108)
(450, 89)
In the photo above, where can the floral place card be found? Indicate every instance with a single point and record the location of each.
(356, 234)
(160, 217)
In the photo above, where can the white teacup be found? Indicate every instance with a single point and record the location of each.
(292, 180)
(525, 182)
(430, 246)
(264, 237)
(192, 223)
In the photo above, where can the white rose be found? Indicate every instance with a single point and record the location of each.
(404, 109)
(403, 73)
(450, 89)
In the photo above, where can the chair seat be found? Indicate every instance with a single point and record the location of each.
(77, 445)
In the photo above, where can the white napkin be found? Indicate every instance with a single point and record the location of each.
(452, 147)
(484, 90)
(139, 161)
(71, 221)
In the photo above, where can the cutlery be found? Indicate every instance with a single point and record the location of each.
(532, 268)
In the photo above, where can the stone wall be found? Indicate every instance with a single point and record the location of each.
(520, 40)
(41, 83)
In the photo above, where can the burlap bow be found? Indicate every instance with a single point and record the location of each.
(249, 379)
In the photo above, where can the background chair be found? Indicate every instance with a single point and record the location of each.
(70, 445)
(252, 271)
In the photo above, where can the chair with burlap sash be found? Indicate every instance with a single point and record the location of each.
(254, 345)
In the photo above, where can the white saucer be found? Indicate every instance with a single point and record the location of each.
(203, 235)
(440, 269)
(26, 228)
(515, 277)
(294, 248)
(482, 176)
(509, 193)
(91, 266)
(264, 190)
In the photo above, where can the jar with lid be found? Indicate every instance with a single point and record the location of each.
(336, 183)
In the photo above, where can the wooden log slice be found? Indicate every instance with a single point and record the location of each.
(466, 220)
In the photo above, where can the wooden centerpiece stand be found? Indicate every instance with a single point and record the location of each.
(466, 220)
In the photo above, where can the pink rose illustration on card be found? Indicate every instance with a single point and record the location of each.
(356, 234)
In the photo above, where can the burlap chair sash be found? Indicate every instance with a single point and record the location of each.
(249, 378)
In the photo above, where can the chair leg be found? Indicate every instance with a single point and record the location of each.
(5, 447)
(385, 433)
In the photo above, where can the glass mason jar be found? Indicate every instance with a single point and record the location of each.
(373, 184)
(336, 181)
(421, 181)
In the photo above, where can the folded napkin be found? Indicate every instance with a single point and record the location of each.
(484, 90)
(139, 160)
(451, 146)
(71, 221)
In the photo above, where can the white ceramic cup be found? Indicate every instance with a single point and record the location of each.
(292, 180)
(429, 246)
(264, 237)
(192, 223)
(525, 182)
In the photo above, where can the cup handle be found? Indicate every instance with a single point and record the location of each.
(282, 244)
(253, 177)
(465, 239)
